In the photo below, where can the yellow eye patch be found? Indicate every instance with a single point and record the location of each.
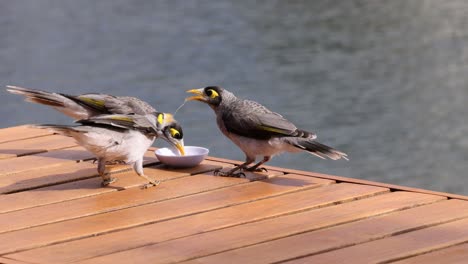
(160, 118)
(165, 117)
(174, 132)
(212, 93)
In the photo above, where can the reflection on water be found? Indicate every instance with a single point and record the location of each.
(384, 81)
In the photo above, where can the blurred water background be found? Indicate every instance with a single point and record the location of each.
(384, 81)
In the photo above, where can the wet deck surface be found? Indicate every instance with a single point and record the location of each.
(53, 210)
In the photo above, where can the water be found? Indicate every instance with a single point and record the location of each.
(384, 81)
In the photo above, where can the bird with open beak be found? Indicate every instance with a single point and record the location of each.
(258, 131)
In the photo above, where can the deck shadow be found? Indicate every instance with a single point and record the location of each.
(57, 181)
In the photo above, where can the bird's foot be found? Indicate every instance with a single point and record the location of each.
(239, 174)
(261, 169)
(110, 162)
(107, 181)
(116, 162)
(153, 183)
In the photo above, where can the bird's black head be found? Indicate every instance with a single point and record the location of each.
(211, 95)
(173, 134)
(175, 130)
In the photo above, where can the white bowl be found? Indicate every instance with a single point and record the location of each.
(171, 157)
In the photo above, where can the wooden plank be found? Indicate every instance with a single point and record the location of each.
(135, 216)
(36, 178)
(36, 145)
(42, 160)
(21, 132)
(222, 218)
(61, 173)
(454, 255)
(10, 261)
(252, 233)
(106, 202)
(350, 180)
(397, 247)
(7, 156)
(345, 235)
(79, 189)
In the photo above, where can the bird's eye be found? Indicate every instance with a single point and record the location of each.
(175, 133)
(212, 93)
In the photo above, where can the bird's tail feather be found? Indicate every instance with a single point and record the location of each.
(38, 96)
(318, 149)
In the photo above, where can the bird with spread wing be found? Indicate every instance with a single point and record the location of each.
(114, 128)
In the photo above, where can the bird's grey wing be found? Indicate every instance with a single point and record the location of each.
(130, 105)
(109, 104)
(251, 119)
(144, 123)
(93, 102)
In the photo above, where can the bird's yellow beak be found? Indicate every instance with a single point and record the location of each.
(198, 95)
(181, 149)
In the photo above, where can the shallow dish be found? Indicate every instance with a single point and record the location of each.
(193, 156)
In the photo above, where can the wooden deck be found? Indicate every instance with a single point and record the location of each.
(53, 210)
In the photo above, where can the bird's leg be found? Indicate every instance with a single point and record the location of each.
(106, 177)
(256, 166)
(138, 167)
(239, 168)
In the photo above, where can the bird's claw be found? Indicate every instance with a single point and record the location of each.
(149, 185)
(108, 181)
(110, 162)
(262, 169)
(115, 162)
(227, 174)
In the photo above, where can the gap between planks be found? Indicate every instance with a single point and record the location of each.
(453, 254)
(278, 205)
(397, 247)
(172, 208)
(346, 235)
(220, 240)
(91, 187)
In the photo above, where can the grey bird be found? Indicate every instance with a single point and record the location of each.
(258, 131)
(86, 106)
(119, 137)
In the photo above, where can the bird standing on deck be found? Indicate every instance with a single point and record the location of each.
(119, 137)
(258, 131)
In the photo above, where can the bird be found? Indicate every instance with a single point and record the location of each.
(119, 137)
(86, 106)
(258, 131)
